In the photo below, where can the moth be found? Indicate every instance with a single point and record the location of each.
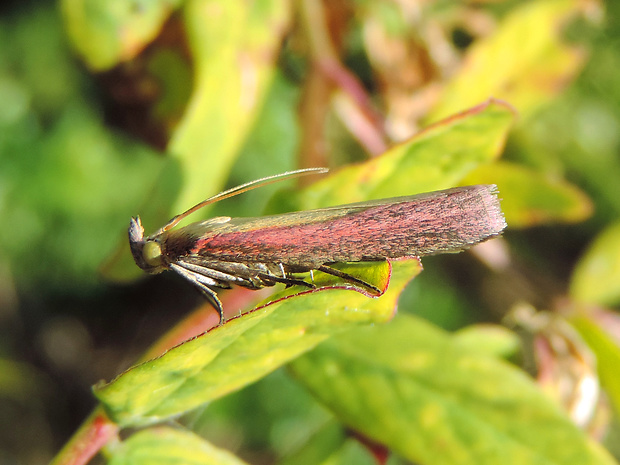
(260, 252)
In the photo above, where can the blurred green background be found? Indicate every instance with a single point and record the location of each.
(112, 109)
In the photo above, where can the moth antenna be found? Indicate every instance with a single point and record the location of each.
(238, 190)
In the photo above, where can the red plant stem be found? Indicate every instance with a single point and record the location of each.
(326, 61)
(373, 136)
(97, 431)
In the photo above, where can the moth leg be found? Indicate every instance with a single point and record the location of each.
(211, 296)
(208, 275)
(288, 281)
(205, 290)
(350, 278)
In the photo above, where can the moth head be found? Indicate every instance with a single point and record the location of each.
(146, 252)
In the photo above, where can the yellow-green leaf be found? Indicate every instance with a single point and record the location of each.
(108, 32)
(409, 386)
(526, 61)
(234, 46)
(489, 339)
(436, 158)
(248, 347)
(170, 446)
(530, 198)
(596, 278)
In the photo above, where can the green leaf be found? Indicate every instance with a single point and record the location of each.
(436, 158)
(409, 386)
(607, 356)
(351, 452)
(268, 150)
(489, 339)
(246, 348)
(526, 61)
(168, 446)
(530, 198)
(106, 33)
(331, 446)
(596, 278)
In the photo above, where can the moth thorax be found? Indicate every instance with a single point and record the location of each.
(152, 254)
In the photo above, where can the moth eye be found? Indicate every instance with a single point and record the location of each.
(152, 253)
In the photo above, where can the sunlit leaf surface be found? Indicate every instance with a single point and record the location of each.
(409, 386)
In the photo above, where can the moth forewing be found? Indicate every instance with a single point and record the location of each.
(439, 222)
(261, 252)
